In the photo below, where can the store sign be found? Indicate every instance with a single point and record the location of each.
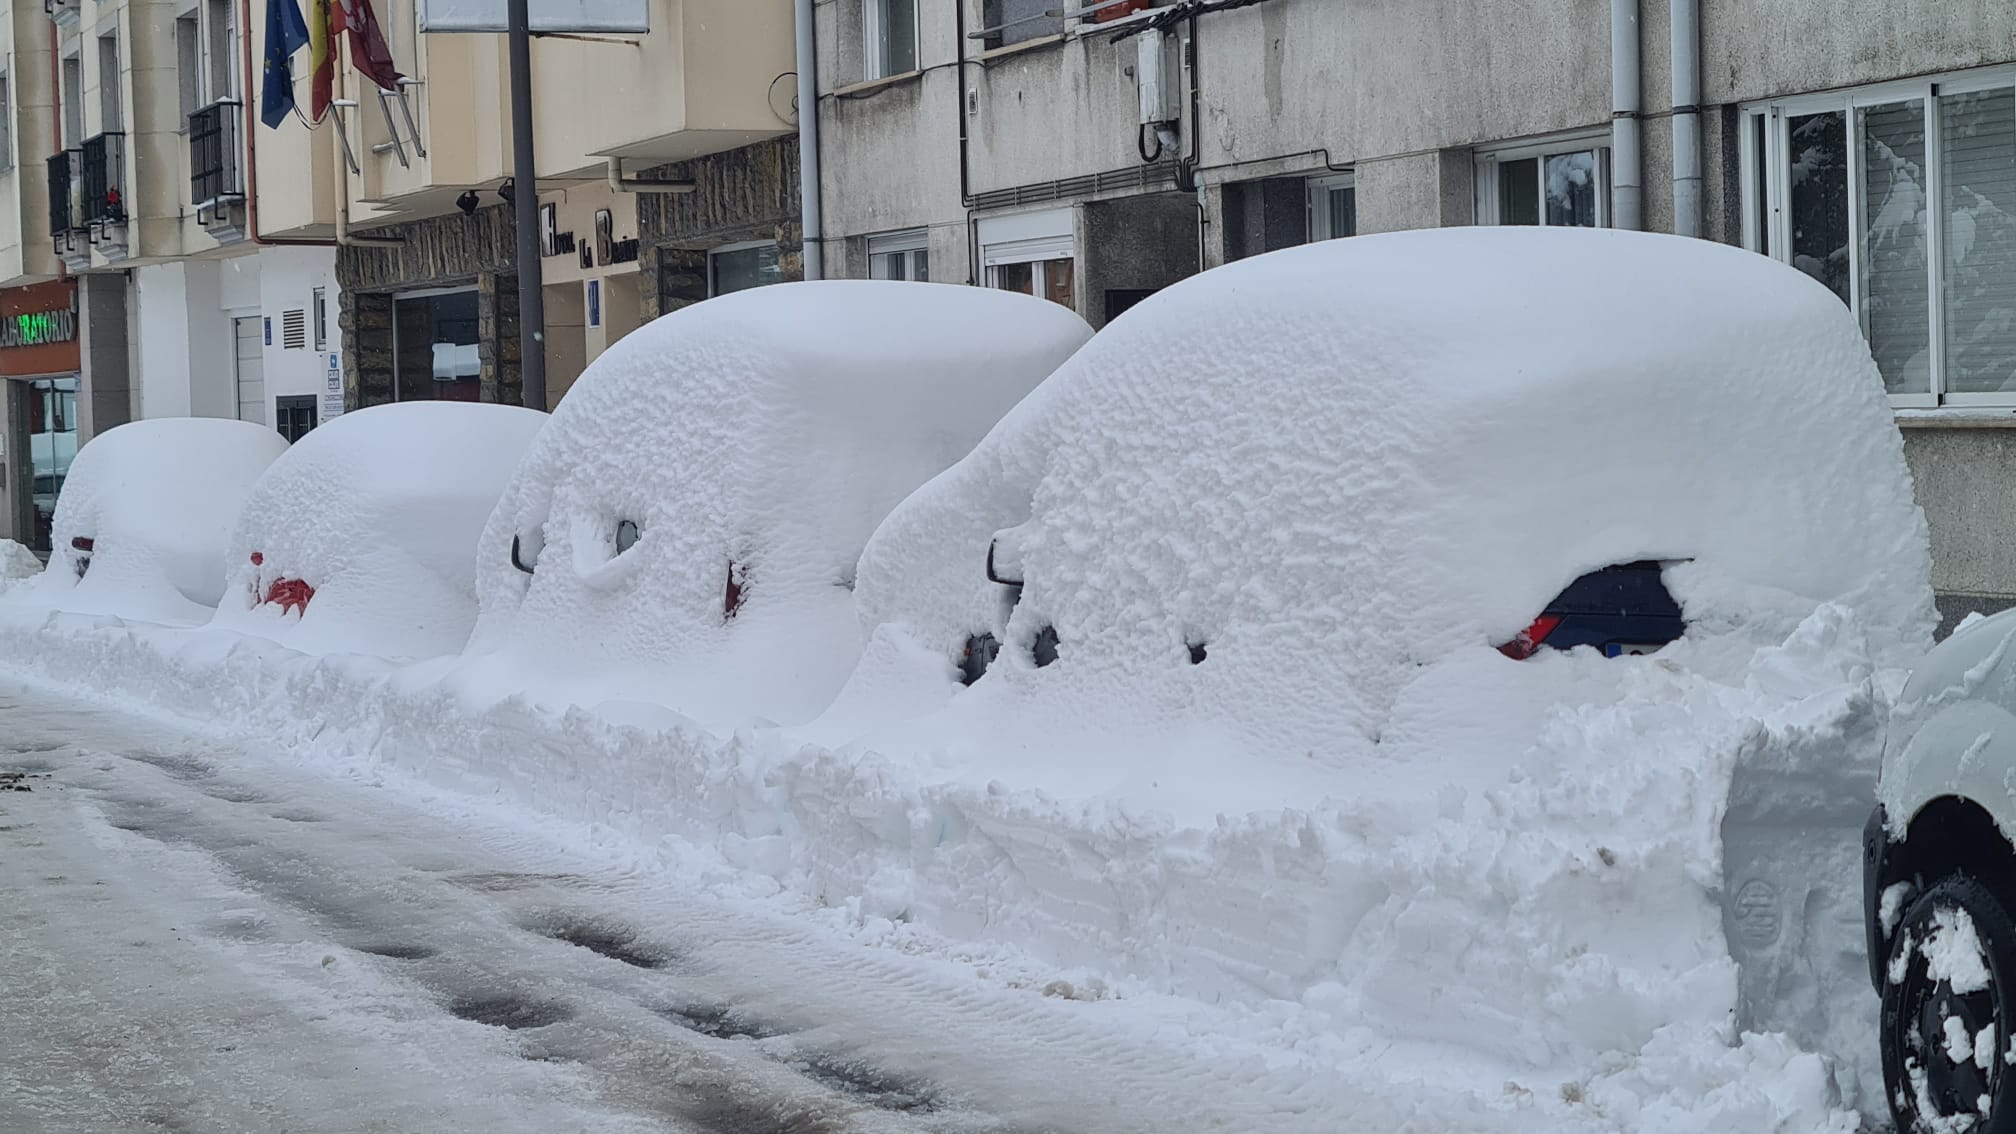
(553, 242)
(609, 249)
(38, 328)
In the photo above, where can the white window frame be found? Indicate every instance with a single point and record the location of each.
(1490, 158)
(1766, 228)
(1320, 189)
(882, 248)
(875, 41)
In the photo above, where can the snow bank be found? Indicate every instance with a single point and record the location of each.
(748, 445)
(154, 500)
(17, 565)
(377, 511)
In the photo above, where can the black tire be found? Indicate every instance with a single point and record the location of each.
(1931, 1091)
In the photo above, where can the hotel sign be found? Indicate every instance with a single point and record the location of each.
(38, 328)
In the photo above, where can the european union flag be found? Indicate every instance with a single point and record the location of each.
(286, 33)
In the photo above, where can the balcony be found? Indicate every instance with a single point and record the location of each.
(65, 223)
(101, 193)
(216, 178)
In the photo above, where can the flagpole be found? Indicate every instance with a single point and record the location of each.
(525, 185)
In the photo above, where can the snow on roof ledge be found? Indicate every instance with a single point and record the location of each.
(762, 435)
(1336, 463)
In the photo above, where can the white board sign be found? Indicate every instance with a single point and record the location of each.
(332, 389)
(587, 17)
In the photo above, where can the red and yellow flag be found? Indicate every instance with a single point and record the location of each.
(369, 52)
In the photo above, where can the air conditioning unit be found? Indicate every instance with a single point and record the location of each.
(1158, 74)
(65, 13)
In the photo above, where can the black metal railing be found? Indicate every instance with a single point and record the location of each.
(213, 155)
(62, 220)
(103, 179)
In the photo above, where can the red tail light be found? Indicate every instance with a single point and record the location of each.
(83, 543)
(1530, 639)
(290, 594)
(258, 559)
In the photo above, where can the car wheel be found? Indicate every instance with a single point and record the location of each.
(1947, 1010)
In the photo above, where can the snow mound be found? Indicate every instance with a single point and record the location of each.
(692, 517)
(17, 565)
(378, 512)
(154, 502)
(1268, 527)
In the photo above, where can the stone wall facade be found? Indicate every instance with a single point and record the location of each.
(741, 195)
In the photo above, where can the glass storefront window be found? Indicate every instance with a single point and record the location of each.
(434, 347)
(52, 444)
(739, 269)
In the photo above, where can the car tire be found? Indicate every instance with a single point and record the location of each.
(1936, 1076)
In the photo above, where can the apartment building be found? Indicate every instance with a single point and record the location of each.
(139, 275)
(1096, 150)
(667, 172)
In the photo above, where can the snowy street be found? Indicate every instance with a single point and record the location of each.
(197, 941)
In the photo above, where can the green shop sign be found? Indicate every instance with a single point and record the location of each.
(37, 328)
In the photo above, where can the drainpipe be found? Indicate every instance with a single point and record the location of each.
(621, 184)
(247, 96)
(809, 204)
(1687, 117)
(1627, 151)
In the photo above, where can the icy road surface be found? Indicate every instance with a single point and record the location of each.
(195, 940)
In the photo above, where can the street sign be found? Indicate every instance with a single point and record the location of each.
(587, 17)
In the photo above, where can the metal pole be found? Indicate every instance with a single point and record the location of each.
(525, 184)
(809, 192)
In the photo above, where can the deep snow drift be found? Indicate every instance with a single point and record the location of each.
(377, 511)
(692, 516)
(155, 501)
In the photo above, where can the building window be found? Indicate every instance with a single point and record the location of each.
(900, 256)
(294, 415)
(1902, 202)
(51, 428)
(318, 312)
(1033, 253)
(6, 121)
(188, 66)
(73, 102)
(222, 18)
(740, 267)
(1333, 207)
(1565, 182)
(1008, 22)
(888, 37)
(434, 352)
(110, 118)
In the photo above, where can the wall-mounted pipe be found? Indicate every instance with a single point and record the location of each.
(809, 204)
(1687, 117)
(250, 98)
(1627, 148)
(622, 184)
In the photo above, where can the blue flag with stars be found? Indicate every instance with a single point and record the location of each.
(286, 33)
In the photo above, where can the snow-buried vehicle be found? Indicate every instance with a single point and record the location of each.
(146, 508)
(1246, 558)
(685, 531)
(362, 538)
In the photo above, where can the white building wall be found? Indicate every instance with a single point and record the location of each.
(186, 346)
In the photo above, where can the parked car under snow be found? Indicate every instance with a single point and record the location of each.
(1281, 516)
(146, 509)
(685, 532)
(362, 537)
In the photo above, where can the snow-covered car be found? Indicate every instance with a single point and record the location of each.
(686, 530)
(145, 513)
(362, 537)
(1939, 887)
(1256, 547)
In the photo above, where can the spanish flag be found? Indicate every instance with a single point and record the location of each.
(369, 52)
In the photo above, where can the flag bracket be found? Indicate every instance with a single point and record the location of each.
(343, 135)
